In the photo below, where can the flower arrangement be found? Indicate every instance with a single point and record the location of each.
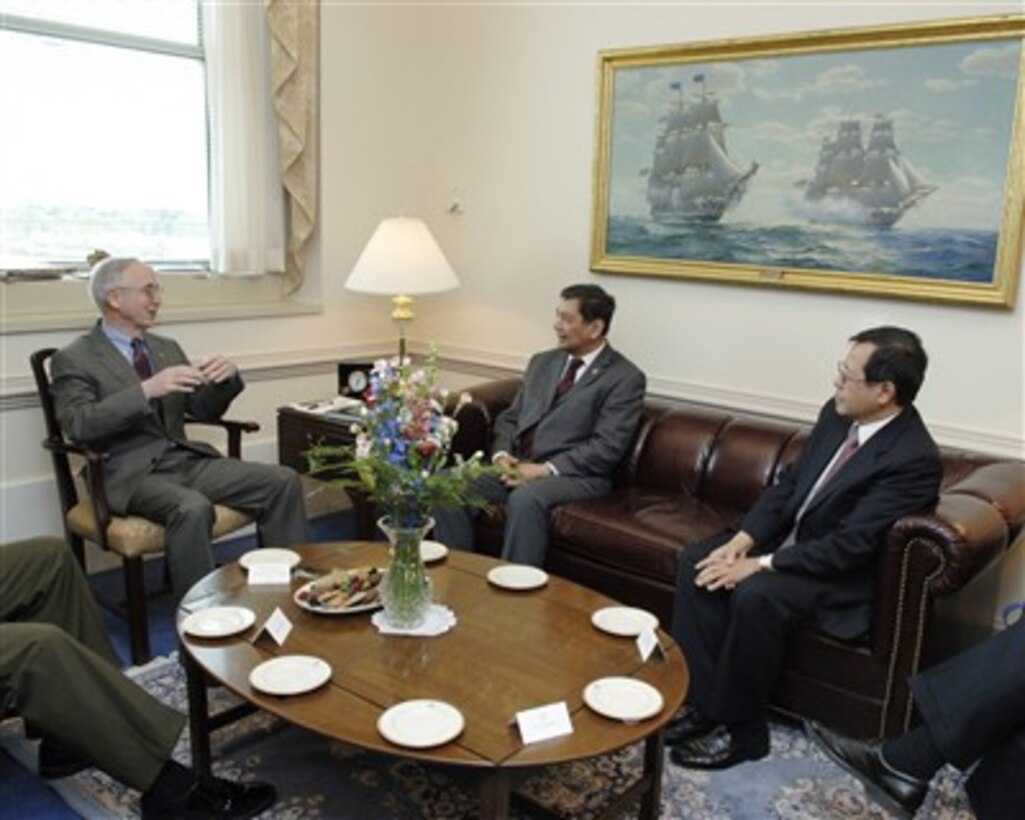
(403, 441)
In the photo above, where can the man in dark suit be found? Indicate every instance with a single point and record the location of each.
(60, 673)
(804, 553)
(565, 432)
(122, 389)
(973, 709)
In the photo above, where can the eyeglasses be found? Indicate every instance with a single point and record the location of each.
(151, 290)
(846, 376)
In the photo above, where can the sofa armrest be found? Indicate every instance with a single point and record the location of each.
(476, 419)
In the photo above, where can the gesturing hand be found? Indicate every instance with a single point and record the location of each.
(216, 368)
(179, 378)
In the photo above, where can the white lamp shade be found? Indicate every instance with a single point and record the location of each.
(402, 258)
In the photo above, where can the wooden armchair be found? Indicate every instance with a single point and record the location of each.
(89, 517)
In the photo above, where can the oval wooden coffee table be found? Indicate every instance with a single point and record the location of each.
(508, 652)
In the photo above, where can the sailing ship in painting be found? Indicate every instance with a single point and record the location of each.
(876, 180)
(693, 177)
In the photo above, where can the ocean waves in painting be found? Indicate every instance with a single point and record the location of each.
(953, 255)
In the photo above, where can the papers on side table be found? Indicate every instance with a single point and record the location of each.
(438, 620)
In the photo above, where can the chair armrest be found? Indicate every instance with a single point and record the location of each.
(928, 555)
(234, 429)
(476, 419)
(94, 478)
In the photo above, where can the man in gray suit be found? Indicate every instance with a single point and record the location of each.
(126, 391)
(564, 434)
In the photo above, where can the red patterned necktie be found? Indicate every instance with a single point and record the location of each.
(526, 439)
(850, 447)
(140, 360)
(569, 378)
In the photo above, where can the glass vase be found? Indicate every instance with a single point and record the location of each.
(405, 589)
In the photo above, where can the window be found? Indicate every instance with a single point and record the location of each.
(105, 136)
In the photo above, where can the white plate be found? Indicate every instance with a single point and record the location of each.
(623, 699)
(332, 610)
(269, 555)
(518, 576)
(290, 675)
(420, 724)
(218, 621)
(432, 551)
(627, 621)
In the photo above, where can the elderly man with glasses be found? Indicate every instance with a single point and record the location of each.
(804, 553)
(125, 390)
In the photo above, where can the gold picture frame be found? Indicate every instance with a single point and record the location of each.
(885, 161)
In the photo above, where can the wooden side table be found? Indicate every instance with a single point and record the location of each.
(298, 431)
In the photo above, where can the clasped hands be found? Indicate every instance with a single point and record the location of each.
(516, 472)
(186, 378)
(728, 565)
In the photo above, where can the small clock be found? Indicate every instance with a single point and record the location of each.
(353, 378)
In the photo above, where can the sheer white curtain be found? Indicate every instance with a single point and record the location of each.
(247, 211)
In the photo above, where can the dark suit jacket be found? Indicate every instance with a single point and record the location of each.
(588, 430)
(896, 472)
(101, 404)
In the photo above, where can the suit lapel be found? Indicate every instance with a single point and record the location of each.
(863, 462)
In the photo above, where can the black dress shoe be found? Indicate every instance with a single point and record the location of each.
(57, 761)
(690, 722)
(901, 793)
(209, 798)
(720, 749)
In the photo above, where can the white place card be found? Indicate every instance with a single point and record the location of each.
(269, 574)
(647, 643)
(278, 626)
(544, 722)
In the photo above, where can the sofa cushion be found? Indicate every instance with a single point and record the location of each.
(638, 529)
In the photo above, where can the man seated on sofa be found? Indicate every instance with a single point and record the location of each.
(565, 432)
(59, 672)
(805, 551)
(123, 389)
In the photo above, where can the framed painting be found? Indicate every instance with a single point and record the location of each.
(880, 161)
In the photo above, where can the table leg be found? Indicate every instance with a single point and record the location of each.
(494, 794)
(654, 759)
(199, 712)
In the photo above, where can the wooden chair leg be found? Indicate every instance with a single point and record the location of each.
(138, 620)
(77, 547)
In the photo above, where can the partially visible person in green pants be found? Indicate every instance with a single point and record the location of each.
(59, 672)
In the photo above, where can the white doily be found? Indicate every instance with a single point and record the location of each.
(437, 620)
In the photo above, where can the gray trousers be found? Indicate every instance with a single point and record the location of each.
(526, 514)
(183, 487)
(59, 671)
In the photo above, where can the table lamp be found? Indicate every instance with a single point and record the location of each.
(402, 259)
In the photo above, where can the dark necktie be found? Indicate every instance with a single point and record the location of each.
(144, 369)
(526, 439)
(140, 360)
(569, 378)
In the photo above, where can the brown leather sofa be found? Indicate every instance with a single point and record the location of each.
(694, 470)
